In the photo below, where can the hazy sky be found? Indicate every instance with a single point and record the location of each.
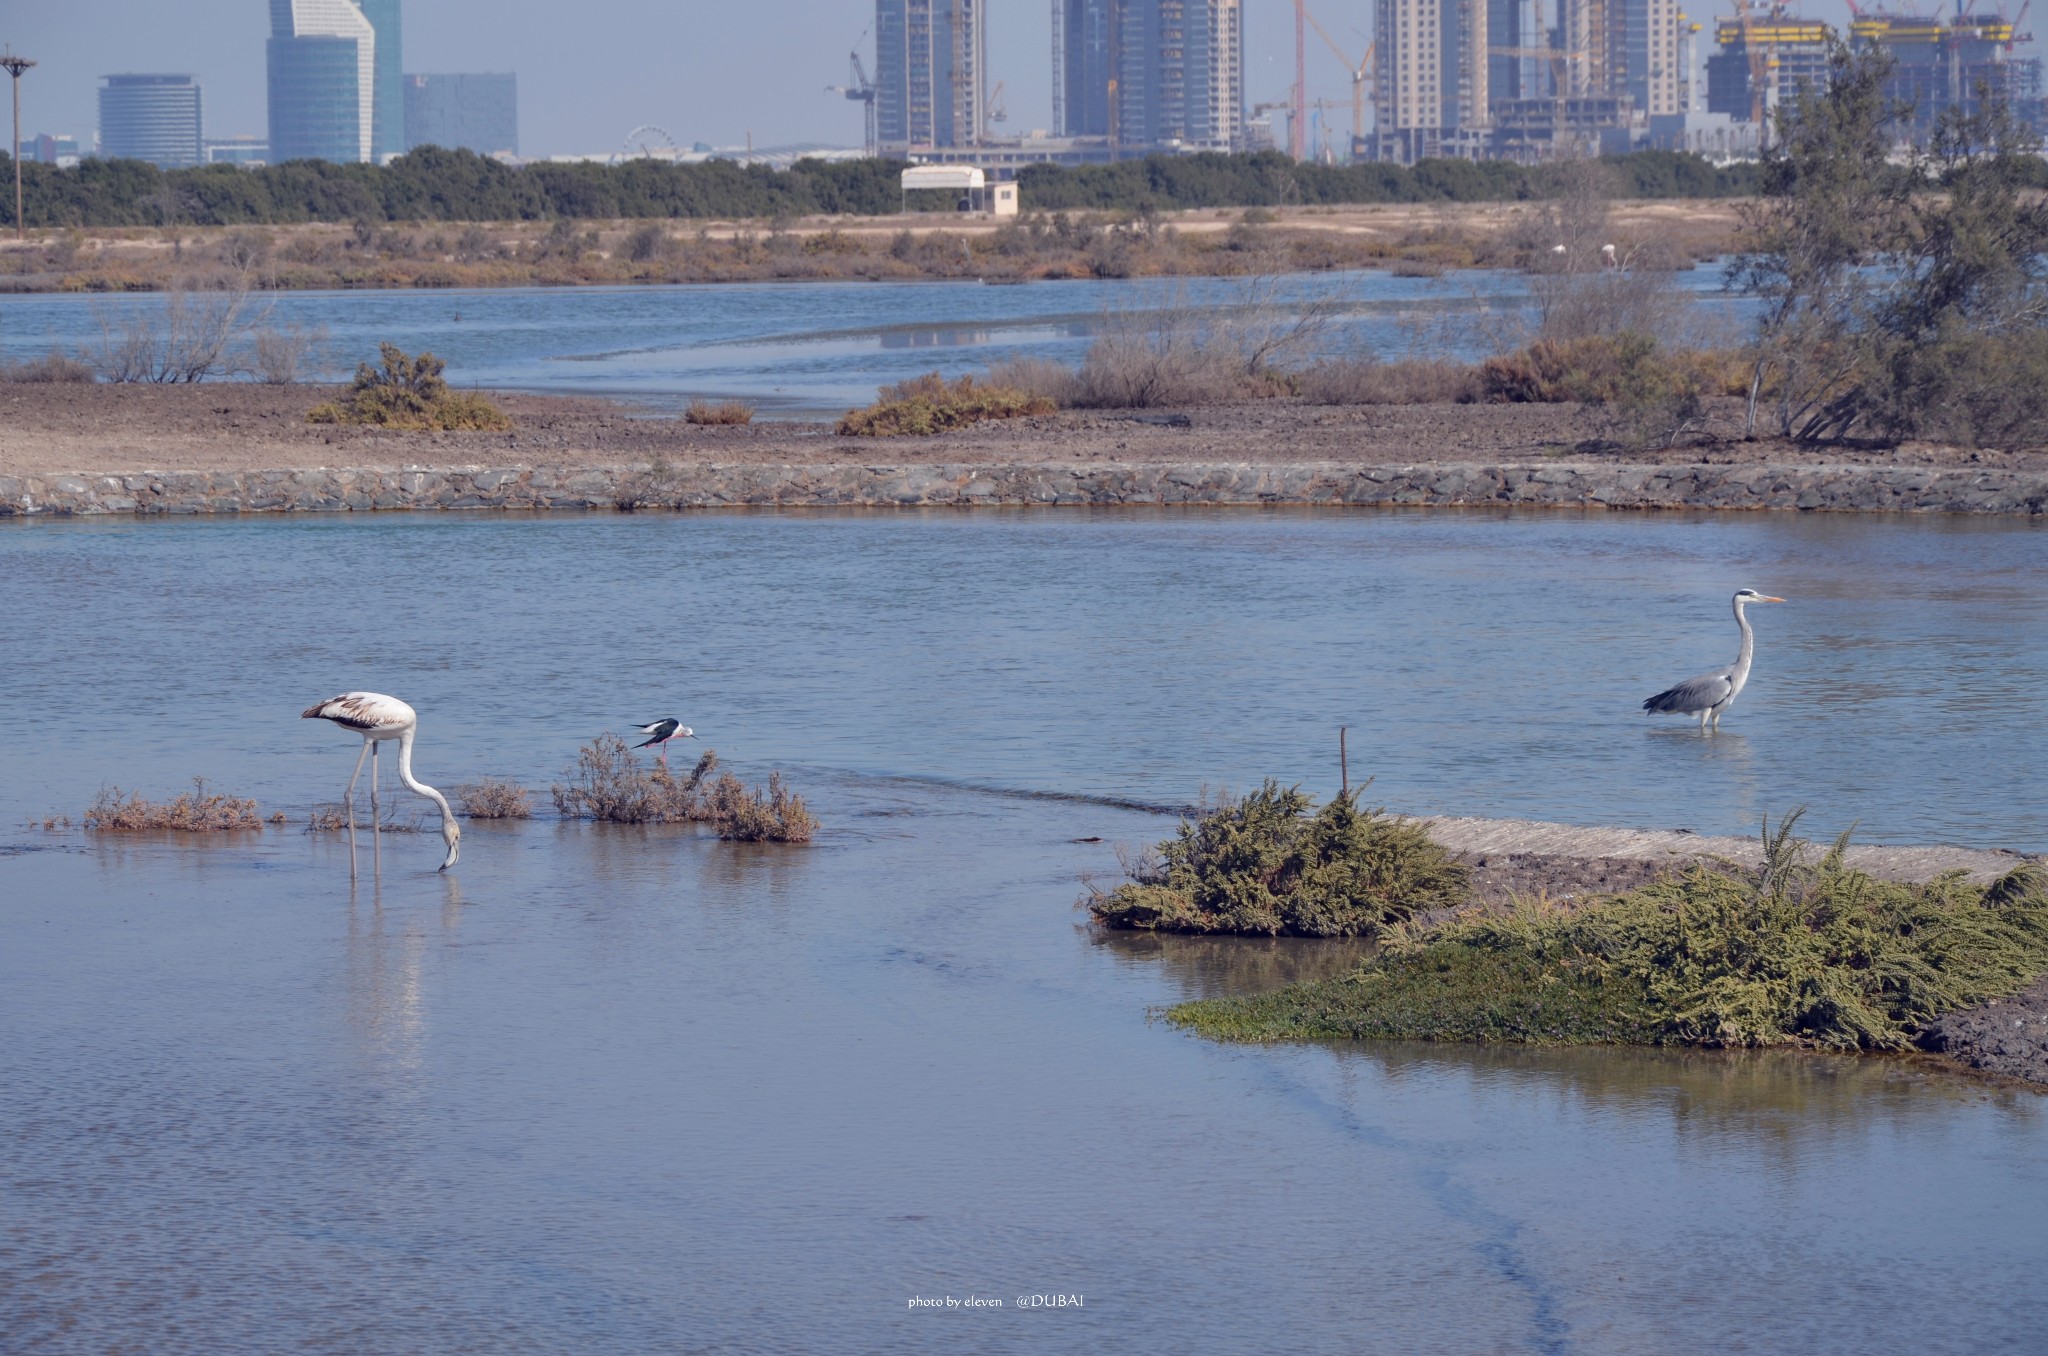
(591, 70)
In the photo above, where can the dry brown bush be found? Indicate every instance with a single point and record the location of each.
(1368, 381)
(334, 818)
(1182, 354)
(1046, 377)
(725, 412)
(196, 811)
(54, 368)
(182, 336)
(776, 815)
(610, 783)
(492, 798)
(280, 354)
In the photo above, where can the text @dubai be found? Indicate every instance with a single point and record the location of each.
(987, 1302)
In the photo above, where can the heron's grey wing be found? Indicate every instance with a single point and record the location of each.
(1694, 694)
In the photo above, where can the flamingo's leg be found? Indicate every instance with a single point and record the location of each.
(374, 819)
(348, 797)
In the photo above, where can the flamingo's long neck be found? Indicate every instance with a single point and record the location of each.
(1748, 650)
(448, 816)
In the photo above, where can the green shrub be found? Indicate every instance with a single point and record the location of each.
(1790, 954)
(1265, 865)
(928, 405)
(409, 393)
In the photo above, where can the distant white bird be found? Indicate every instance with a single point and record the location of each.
(1712, 693)
(662, 731)
(377, 718)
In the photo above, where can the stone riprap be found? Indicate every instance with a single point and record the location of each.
(1839, 489)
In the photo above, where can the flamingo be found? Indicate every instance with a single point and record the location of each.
(662, 731)
(376, 718)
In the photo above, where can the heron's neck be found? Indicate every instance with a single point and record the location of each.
(448, 816)
(1742, 656)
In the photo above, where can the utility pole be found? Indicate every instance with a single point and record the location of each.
(15, 65)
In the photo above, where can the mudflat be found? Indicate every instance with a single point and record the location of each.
(237, 427)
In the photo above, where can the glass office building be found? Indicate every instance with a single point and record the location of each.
(323, 62)
(152, 117)
(387, 89)
(463, 112)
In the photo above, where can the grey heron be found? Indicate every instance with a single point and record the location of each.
(1708, 695)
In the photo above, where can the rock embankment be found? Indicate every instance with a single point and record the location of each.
(1583, 485)
(2008, 1037)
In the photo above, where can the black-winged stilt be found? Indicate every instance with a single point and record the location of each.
(661, 732)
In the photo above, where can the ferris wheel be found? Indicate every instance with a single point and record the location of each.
(647, 142)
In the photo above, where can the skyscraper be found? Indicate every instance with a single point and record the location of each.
(463, 112)
(1630, 51)
(387, 102)
(1151, 74)
(1430, 77)
(157, 118)
(336, 90)
(930, 74)
(1085, 45)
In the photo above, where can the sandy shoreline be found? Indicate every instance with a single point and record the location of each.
(1199, 242)
(230, 448)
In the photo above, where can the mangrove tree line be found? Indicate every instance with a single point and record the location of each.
(432, 184)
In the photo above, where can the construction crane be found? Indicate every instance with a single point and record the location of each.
(2014, 36)
(1361, 74)
(862, 92)
(1759, 63)
(1273, 106)
(1558, 57)
(1298, 124)
(996, 109)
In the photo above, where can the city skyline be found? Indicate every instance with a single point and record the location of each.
(714, 77)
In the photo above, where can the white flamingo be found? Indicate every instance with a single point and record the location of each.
(377, 718)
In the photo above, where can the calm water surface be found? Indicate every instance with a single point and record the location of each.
(625, 1090)
(802, 349)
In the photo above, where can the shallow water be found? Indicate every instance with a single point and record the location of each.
(608, 1089)
(804, 349)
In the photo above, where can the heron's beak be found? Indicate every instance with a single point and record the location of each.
(1768, 599)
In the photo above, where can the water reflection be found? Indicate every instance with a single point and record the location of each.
(1215, 967)
(1761, 1096)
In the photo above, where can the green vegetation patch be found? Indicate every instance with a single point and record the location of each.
(928, 404)
(430, 183)
(1265, 865)
(410, 393)
(1792, 954)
